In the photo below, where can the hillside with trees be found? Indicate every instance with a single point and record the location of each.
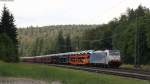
(130, 33)
(51, 39)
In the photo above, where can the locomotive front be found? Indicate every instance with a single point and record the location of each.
(114, 58)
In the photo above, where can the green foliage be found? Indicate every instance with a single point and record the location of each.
(130, 36)
(60, 43)
(7, 49)
(68, 44)
(8, 34)
(122, 34)
(44, 40)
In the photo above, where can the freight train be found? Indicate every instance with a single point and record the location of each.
(109, 58)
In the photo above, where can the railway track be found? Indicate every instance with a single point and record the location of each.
(139, 74)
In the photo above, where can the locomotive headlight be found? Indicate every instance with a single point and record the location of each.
(114, 58)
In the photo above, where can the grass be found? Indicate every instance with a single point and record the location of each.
(144, 67)
(66, 76)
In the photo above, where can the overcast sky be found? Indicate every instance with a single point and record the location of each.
(53, 12)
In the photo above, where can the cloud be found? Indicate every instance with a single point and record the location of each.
(47, 12)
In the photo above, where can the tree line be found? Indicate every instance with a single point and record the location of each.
(8, 37)
(35, 41)
(129, 33)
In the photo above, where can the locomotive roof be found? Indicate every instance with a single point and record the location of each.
(26, 57)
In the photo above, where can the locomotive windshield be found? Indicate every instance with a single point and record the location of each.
(114, 52)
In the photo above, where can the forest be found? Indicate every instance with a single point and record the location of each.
(129, 33)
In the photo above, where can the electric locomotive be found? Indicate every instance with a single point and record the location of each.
(106, 58)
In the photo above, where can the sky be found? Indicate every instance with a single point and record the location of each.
(62, 12)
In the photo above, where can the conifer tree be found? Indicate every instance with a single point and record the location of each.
(8, 27)
(68, 44)
(60, 43)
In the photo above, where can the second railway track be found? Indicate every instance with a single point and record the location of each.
(145, 75)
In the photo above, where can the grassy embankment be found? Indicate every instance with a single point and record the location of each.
(65, 76)
(144, 67)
